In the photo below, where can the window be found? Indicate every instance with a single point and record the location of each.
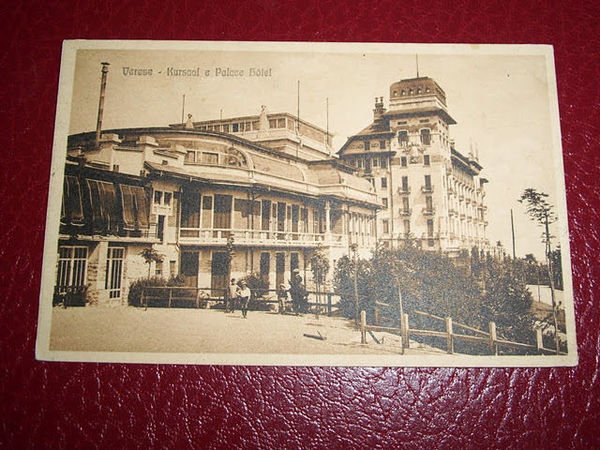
(426, 160)
(210, 158)
(190, 209)
(384, 201)
(190, 157)
(384, 162)
(172, 268)
(72, 264)
(386, 226)
(360, 163)
(428, 182)
(367, 145)
(405, 184)
(405, 204)
(115, 167)
(158, 270)
(403, 161)
(381, 144)
(162, 198)
(407, 227)
(235, 127)
(375, 162)
(425, 136)
(226, 128)
(281, 123)
(384, 183)
(429, 203)
(430, 227)
(160, 228)
(403, 137)
(368, 164)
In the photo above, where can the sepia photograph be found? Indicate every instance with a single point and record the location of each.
(325, 204)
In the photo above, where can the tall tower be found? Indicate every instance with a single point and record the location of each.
(430, 193)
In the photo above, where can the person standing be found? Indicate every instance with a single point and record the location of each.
(298, 293)
(282, 298)
(244, 293)
(231, 296)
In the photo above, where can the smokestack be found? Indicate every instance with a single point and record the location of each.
(101, 102)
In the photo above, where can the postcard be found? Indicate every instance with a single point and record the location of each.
(330, 204)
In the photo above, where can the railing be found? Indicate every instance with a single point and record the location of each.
(427, 189)
(69, 296)
(404, 190)
(489, 338)
(261, 237)
(429, 211)
(405, 212)
(201, 297)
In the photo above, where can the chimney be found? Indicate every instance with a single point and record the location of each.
(379, 109)
(101, 102)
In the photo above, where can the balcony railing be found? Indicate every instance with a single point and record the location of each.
(259, 237)
(404, 190)
(429, 211)
(427, 189)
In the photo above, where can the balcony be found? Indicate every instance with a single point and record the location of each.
(405, 211)
(404, 190)
(427, 189)
(429, 211)
(218, 237)
(452, 212)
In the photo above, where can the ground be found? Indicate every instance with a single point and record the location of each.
(129, 329)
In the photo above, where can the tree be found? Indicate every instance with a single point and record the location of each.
(542, 212)
(507, 302)
(150, 255)
(319, 265)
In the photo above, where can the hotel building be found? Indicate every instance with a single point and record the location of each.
(431, 193)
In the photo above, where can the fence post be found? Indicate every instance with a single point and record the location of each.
(170, 294)
(539, 340)
(329, 301)
(493, 346)
(363, 327)
(376, 314)
(144, 299)
(450, 335)
(405, 331)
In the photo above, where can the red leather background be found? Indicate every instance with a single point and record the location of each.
(68, 405)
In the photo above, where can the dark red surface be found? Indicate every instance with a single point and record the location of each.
(68, 405)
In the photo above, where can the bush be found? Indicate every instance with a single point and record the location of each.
(135, 290)
(257, 285)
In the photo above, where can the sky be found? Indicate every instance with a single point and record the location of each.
(500, 100)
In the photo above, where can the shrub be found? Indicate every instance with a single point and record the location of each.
(134, 297)
(257, 285)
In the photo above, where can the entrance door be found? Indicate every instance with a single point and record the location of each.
(279, 269)
(218, 281)
(265, 267)
(114, 271)
(189, 267)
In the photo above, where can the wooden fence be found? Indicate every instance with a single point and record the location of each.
(167, 296)
(450, 335)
